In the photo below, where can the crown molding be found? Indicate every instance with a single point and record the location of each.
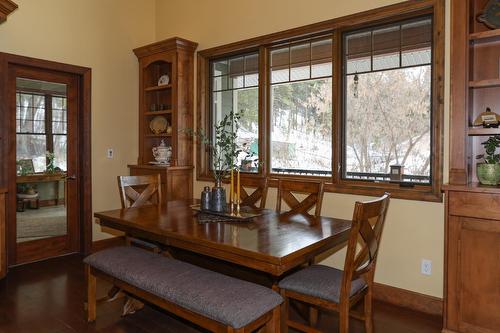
(6, 7)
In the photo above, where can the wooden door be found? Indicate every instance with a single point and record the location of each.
(3, 254)
(44, 108)
(479, 275)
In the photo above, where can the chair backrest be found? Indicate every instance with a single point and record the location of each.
(286, 190)
(136, 191)
(364, 241)
(257, 199)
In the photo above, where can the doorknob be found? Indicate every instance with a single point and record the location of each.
(73, 177)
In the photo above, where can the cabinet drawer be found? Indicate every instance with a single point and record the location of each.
(478, 205)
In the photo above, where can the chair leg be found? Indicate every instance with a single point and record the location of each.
(368, 311)
(313, 316)
(284, 313)
(273, 325)
(344, 318)
(91, 295)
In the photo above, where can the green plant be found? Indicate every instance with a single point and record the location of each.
(223, 149)
(50, 162)
(490, 147)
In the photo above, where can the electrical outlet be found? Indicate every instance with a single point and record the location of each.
(426, 267)
(110, 153)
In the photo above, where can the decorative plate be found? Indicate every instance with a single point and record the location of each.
(491, 14)
(158, 125)
(163, 80)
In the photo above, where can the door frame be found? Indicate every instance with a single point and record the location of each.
(7, 62)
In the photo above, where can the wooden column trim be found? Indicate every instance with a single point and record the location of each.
(6, 7)
(459, 164)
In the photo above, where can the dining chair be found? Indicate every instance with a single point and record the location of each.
(287, 189)
(136, 191)
(256, 199)
(333, 289)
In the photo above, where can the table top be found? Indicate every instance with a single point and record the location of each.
(269, 242)
(41, 177)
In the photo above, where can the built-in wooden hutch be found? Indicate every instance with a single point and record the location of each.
(166, 76)
(472, 270)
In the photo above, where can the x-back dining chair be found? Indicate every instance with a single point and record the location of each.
(314, 198)
(256, 199)
(136, 191)
(333, 289)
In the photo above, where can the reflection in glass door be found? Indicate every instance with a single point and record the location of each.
(41, 158)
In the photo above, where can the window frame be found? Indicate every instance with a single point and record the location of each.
(48, 118)
(337, 27)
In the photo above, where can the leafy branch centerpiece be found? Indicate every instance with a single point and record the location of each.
(223, 152)
(488, 172)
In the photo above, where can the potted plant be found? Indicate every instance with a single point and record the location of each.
(488, 172)
(223, 151)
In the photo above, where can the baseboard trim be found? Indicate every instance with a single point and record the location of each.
(107, 243)
(408, 299)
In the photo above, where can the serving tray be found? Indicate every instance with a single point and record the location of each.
(246, 215)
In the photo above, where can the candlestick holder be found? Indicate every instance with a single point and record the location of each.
(231, 208)
(238, 208)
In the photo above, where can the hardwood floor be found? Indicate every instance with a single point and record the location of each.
(47, 297)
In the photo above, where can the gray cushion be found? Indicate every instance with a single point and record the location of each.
(320, 281)
(216, 296)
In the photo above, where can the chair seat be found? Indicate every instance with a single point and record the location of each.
(320, 281)
(213, 295)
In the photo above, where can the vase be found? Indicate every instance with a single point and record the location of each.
(488, 174)
(218, 203)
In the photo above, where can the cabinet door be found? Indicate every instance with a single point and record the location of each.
(478, 275)
(3, 245)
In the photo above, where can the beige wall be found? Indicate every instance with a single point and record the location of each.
(99, 34)
(414, 229)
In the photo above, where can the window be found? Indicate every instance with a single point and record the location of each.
(389, 125)
(345, 101)
(235, 87)
(41, 126)
(301, 108)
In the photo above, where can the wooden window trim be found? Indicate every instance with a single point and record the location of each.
(337, 26)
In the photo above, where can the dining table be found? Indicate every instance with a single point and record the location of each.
(269, 243)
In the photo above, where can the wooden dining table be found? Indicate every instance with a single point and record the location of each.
(270, 243)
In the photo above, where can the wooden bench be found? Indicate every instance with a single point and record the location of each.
(211, 300)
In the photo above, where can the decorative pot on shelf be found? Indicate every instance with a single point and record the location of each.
(488, 174)
(162, 153)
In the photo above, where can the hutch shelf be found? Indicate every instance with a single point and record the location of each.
(472, 229)
(166, 76)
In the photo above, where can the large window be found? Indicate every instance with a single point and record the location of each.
(347, 101)
(387, 101)
(41, 121)
(301, 108)
(235, 87)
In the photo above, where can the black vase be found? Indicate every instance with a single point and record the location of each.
(218, 203)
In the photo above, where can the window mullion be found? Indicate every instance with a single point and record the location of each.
(264, 115)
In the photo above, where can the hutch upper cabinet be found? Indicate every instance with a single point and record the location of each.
(472, 247)
(166, 76)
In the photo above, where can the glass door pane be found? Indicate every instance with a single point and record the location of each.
(41, 157)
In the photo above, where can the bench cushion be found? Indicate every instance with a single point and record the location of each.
(213, 295)
(320, 281)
